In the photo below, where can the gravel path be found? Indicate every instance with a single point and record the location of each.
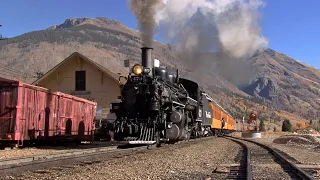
(12, 153)
(194, 161)
(44, 150)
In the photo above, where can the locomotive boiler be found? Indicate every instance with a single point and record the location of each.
(156, 105)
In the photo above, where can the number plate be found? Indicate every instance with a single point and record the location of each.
(136, 78)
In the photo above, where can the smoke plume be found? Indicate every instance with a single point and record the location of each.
(230, 26)
(214, 36)
(145, 12)
(201, 28)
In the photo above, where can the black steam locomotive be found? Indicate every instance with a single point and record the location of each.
(157, 106)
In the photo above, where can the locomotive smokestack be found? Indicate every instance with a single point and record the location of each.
(146, 57)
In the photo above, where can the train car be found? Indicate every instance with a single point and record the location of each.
(217, 115)
(31, 114)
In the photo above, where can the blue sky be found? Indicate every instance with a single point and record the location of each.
(292, 27)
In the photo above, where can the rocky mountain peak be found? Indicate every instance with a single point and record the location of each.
(99, 21)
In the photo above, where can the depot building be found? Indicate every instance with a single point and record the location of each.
(79, 76)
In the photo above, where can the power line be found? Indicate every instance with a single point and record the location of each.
(15, 71)
(14, 74)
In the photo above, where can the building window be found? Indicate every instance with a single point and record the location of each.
(80, 80)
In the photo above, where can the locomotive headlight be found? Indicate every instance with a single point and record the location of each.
(137, 69)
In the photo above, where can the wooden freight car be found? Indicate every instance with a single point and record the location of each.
(30, 113)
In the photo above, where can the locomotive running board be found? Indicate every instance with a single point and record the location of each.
(142, 142)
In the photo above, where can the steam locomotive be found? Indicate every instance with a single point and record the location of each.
(157, 106)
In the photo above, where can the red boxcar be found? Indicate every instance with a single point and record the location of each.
(30, 113)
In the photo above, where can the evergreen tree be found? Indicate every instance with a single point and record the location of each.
(286, 126)
(262, 125)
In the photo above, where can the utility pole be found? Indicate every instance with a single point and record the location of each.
(0, 34)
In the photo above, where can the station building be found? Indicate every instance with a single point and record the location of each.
(79, 76)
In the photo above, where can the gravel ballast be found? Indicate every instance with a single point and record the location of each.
(264, 165)
(205, 159)
(303, 153)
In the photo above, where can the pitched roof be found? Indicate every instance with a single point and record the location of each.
(112, 75)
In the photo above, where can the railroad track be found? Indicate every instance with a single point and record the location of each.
(17, 166)
(262, 162)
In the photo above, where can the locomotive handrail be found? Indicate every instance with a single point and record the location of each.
(191, 99)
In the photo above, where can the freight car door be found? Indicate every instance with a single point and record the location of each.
(46, 122)
(8, 103)
(48, 114)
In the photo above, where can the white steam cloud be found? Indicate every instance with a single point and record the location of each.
(230, 26)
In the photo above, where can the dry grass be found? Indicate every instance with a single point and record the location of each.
(292, 117)
(275, 134)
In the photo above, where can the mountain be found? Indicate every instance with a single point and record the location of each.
(275, 80)
(287, 83)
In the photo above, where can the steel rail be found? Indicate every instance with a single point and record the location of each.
(248, 158)
(300, 172)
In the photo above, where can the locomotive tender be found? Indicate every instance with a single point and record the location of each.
(157, 106)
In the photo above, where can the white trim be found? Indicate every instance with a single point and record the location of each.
(142, 142)
(174, 102)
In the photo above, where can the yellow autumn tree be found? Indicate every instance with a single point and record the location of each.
(301, 125)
